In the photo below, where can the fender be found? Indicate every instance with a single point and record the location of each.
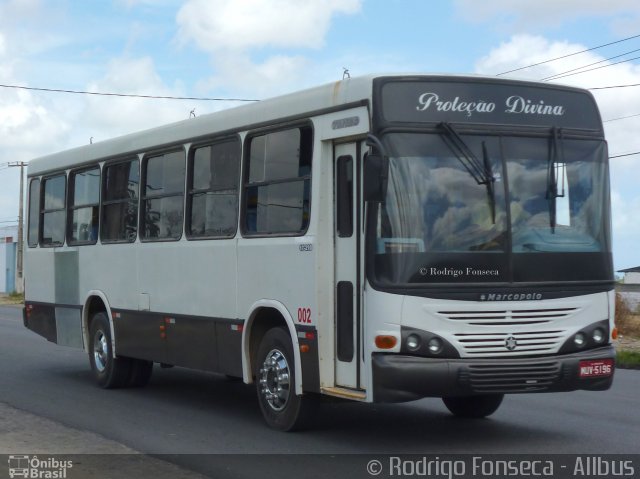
(85, 319)
(246, 334)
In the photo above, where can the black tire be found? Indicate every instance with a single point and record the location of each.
(282, 409)
(110, 372)
(140, 373)
(473, 406)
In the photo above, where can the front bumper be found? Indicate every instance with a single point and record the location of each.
(399, 378)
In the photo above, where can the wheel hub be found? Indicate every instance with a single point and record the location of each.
(274, 380)
(100, 351)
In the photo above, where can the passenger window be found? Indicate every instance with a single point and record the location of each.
(277, 190)
(34, 213)
(162, 202)
(84, 187)
(213, 190)
(53, 211)
(120, 202)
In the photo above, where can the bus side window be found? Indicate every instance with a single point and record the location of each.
(162, 200)
(84, 200)
(120, 202)
(212, 205)
(53, 211)
(278, 183)
(34, 213)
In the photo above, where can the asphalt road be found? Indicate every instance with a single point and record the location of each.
(189, 412)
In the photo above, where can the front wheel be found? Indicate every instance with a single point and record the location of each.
(109, 371)
(473, 406)
(275, 383)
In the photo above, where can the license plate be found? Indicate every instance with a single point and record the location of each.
(594, 368)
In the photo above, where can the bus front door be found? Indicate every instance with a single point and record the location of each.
(347, 265)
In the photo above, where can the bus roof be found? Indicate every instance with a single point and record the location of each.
(336, 95)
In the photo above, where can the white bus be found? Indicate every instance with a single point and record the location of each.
(379, 239)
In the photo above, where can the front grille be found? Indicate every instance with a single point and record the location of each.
(508, 317)
(511, 378)
(509, 344)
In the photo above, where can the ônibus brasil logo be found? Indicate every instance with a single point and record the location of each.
(36, 468)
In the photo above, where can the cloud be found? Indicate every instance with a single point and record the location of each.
(528, 14)
(256, 80)
(216, 25)
(29, 123)
(107, 117)
(233, 32)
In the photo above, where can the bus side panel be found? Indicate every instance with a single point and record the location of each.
(40, 318)
(56, 315)
(191, 342)
(229, 336)
(113, 270)
(138, 335)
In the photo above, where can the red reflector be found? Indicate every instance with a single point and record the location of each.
(593, 368)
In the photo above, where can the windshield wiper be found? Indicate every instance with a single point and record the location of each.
(490, 189)
(479, 171)
(552, 178)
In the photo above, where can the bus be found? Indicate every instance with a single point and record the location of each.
(378, 239)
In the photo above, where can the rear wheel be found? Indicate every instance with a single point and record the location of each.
(473, 406)
(275, 383)
(110, 372)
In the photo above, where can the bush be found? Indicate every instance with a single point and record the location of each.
(626, 322)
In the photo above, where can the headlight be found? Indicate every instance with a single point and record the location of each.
(435, 345)
(413, 342)
(598, 335)
(418, 342)
(595, 335)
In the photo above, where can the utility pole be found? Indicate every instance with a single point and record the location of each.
(19, 264)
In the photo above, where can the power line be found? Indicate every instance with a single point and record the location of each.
(552, 77)
(621, 118)
(613, 86)
(126, 95)
(625, 154)
(569, 55)
(596, 68)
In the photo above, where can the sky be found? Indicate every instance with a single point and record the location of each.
(255, 49)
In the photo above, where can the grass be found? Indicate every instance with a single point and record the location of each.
(13, 298)
(628, 359)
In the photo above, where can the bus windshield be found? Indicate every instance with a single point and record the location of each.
(476, 208)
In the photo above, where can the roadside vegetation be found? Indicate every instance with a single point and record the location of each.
(13, 298)
(627, 359)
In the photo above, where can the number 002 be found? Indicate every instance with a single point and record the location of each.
(304, 315)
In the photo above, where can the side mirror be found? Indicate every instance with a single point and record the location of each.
(376, 170)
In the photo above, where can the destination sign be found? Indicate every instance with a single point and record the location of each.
(482, 102)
